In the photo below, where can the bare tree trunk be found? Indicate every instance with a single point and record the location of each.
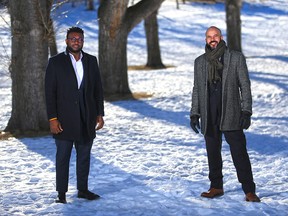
(152, 38)
(113, 48)
(90, 5)
(116, 21)
(29, 26)
(3, 3)
(52, 39)
(233, 12)
(73, 3)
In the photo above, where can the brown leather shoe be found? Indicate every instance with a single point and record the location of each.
(252, 197)
(213, 192)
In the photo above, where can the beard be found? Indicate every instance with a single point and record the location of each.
(213, 46)
(73, 50)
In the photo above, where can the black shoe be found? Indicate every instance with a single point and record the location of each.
(61, 198)
(86, 194)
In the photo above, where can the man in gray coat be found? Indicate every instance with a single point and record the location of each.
(222, 100)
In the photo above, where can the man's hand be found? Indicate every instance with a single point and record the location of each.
(55, 126)
(194, 123)
(99, 122)
(245, 120)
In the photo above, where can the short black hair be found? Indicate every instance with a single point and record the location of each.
(74, 29)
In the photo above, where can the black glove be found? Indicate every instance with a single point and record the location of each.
(194, 123)
(245, 120)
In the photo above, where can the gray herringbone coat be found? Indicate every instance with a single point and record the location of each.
(236, 91)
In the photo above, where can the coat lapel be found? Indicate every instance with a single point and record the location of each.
(70, 68)
(85, 71)
(205, 70)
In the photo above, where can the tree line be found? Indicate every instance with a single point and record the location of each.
(33, 38)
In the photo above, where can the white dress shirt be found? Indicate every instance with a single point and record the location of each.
(78, 68)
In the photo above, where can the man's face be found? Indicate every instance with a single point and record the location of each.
(213, 37)
(75, 42)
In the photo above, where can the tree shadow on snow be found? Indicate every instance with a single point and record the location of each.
(271, 78)
(276, 57)
(146, 110)
(122, 192)
(252, 9)
(259, 142)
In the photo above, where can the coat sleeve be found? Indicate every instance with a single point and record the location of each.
(244, 85)
(195, 105)
(50, 90)
(99, 97)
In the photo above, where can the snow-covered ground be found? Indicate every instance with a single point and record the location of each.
(147, 160)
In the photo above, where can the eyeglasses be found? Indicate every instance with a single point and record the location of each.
(79, 40)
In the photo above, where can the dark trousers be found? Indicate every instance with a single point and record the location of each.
(237, 143)
(64, 149)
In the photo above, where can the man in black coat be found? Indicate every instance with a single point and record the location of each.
(75, 109)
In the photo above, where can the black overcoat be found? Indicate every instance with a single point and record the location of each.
(62, 95)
